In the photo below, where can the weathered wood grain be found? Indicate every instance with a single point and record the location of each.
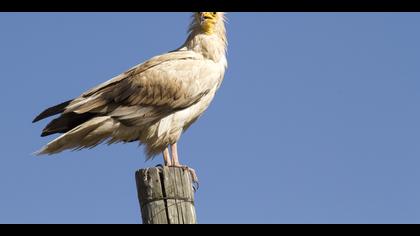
(166, 195)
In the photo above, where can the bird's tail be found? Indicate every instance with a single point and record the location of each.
(86, 135)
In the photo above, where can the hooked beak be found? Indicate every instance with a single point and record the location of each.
(203, 18)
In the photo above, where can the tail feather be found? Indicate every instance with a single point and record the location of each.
(88, 134)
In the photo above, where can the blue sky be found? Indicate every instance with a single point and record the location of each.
(317, 120)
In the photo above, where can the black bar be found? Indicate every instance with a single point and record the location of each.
(211, 5)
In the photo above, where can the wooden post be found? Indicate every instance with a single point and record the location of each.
(166, 195)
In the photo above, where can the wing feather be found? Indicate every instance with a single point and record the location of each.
(143, 94)
(167, 82)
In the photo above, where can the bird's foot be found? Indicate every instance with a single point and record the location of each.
(193, 174)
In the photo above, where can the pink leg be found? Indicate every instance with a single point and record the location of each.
(174, 150)
(167, 157)
(175, 162)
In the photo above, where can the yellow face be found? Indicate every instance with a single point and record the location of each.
(207, 21)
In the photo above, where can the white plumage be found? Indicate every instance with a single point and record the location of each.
(153, 102)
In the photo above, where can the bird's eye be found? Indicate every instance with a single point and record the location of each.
(214, 13)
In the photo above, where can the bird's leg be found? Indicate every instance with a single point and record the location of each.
(167, 157)
(175, 158)
(175, 162)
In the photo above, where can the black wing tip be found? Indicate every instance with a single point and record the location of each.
(54, 110)
(47, 132)
(41, 116)
(38, 118)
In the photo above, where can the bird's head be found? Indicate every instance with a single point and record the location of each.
(209, 21)
(207, 34)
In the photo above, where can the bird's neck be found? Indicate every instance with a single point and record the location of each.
(210, 46)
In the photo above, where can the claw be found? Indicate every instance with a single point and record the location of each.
(194, 178)
(193, 175)
(196, 185)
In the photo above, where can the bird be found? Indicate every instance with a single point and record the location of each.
(152, 103)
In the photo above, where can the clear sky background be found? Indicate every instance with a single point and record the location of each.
(317, 120)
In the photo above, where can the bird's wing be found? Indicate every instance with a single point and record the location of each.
(116, 82)
(162, 85)
(155, 61)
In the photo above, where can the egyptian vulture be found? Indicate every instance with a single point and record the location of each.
(153, 102)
